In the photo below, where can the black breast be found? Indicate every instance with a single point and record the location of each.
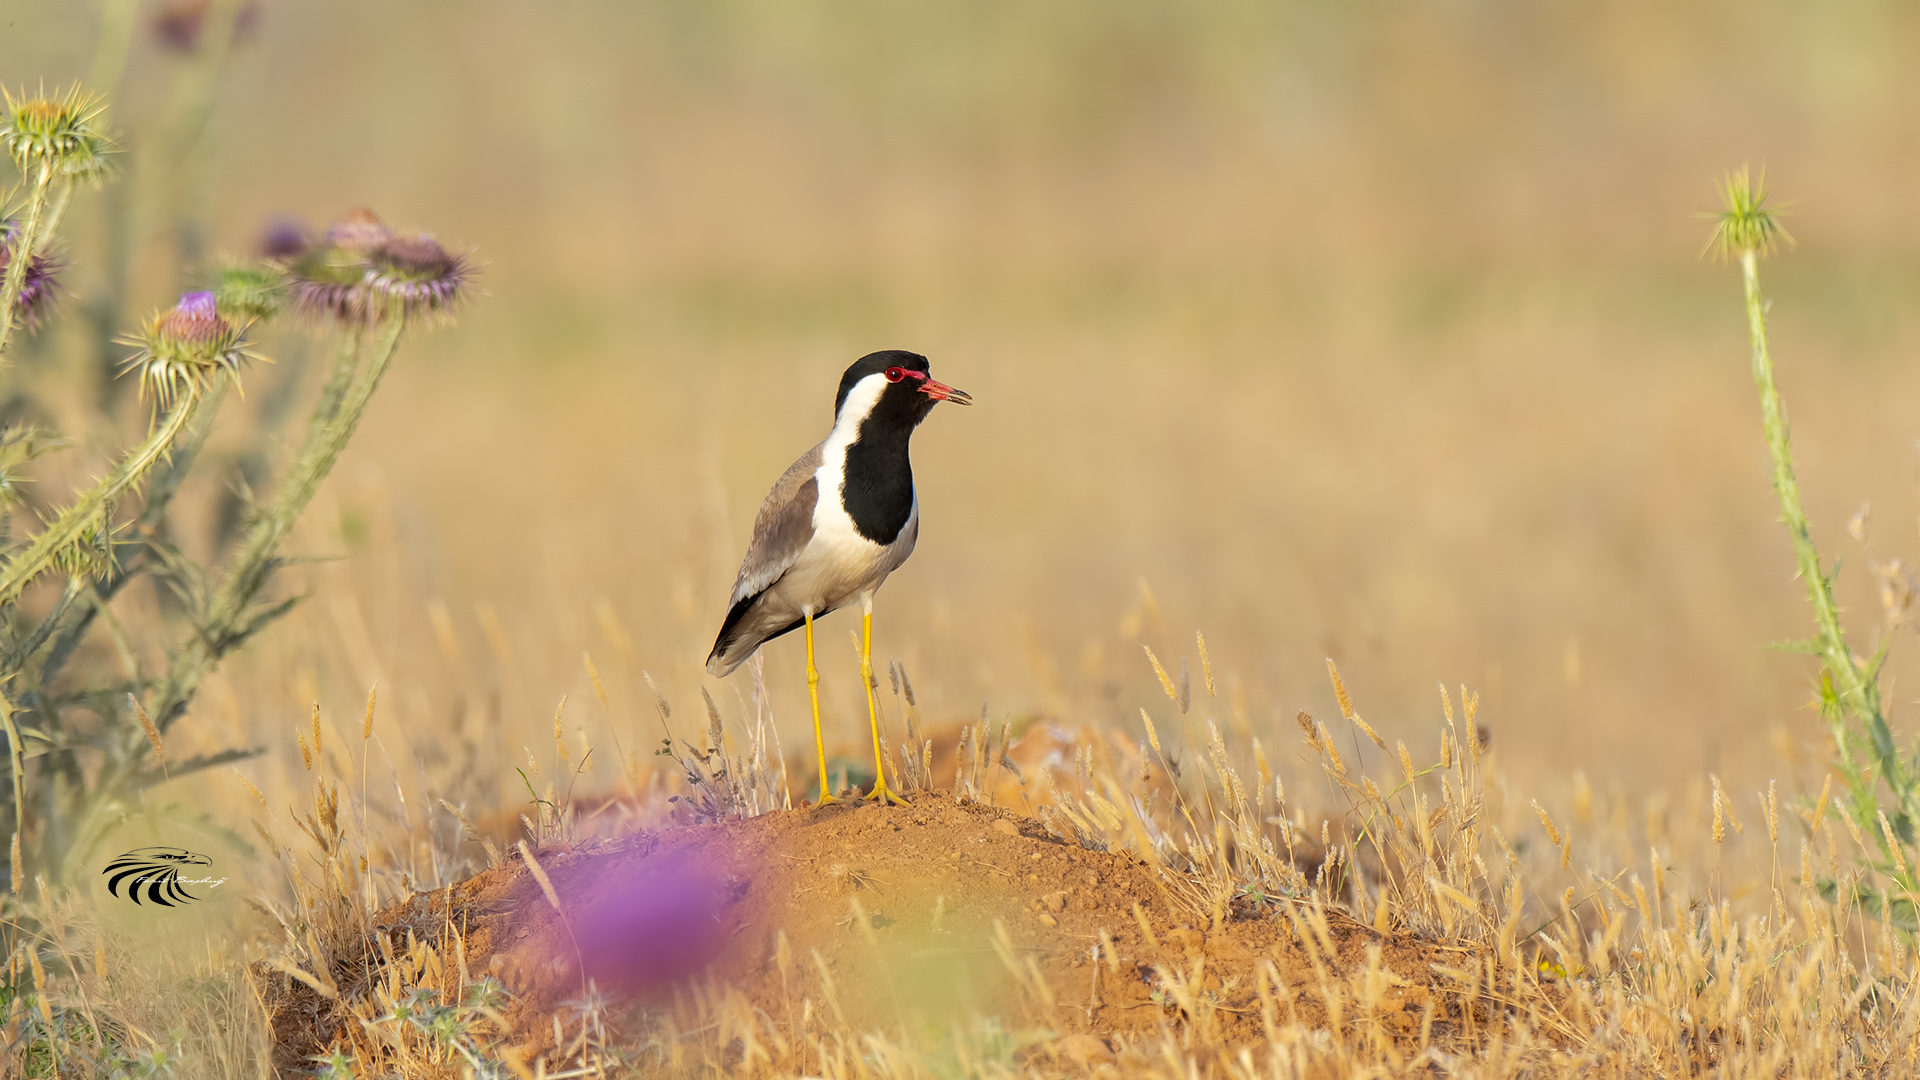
(877, 489)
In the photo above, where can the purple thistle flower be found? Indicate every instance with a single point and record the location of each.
(417, 276)
(194, 321)
(328, 280)
(283, 240)
(184, 346)
(38, 290)
(362, 272)
(360, 230)
(178, 23)
(324, 286)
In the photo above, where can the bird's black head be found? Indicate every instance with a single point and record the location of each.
(893, 386)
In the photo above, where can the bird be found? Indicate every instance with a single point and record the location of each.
(837, 522)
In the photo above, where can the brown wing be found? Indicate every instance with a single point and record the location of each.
(781, 529)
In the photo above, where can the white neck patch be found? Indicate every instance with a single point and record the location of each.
(831, 525)
(860, 401)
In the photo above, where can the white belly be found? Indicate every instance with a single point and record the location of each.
(838, 565)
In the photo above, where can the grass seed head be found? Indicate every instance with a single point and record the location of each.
(251, 790)
(1773, 812)
(1153, 737)
(540, 876)
(1546, 823)
(1166, 681)
(153, 733)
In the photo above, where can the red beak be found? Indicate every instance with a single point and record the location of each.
(940, 391)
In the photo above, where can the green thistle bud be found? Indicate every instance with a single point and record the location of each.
(182, 348)
(1744, 223)
(250, 293)
(417, 277)
(64, 132)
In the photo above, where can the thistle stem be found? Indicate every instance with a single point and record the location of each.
(57, 207)
(338, 378)
(229, 616)
(23, 568)
(1854, 691)
(24, 245)
(317, 458)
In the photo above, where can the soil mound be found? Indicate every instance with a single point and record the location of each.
(897, 911)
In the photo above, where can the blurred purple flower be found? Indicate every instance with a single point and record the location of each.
(359, 230)
(178, 23)
(328, 280)
(283, 239)
(653, 923)
(417, 275)
(38, 290)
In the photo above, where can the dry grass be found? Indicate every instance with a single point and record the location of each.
(1559, 956)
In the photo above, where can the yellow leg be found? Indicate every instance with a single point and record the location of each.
(813, 692)
(880, 790)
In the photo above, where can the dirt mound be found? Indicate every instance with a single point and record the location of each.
(897, 912)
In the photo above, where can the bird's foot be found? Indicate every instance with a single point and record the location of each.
(885, 795)
(831, 800)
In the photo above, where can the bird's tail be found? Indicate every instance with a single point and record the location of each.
(727, 653)
(720, 665)
(740, 637)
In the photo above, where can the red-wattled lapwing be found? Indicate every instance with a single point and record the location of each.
(836, 523)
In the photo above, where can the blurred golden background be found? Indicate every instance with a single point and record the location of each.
(1377, 332)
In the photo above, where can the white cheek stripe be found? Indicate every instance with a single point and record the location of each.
(834, 533)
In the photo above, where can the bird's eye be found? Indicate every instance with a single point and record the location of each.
(895, 374)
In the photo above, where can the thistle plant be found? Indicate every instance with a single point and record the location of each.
(57, 142)
(61, 575)
(1881, 797)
